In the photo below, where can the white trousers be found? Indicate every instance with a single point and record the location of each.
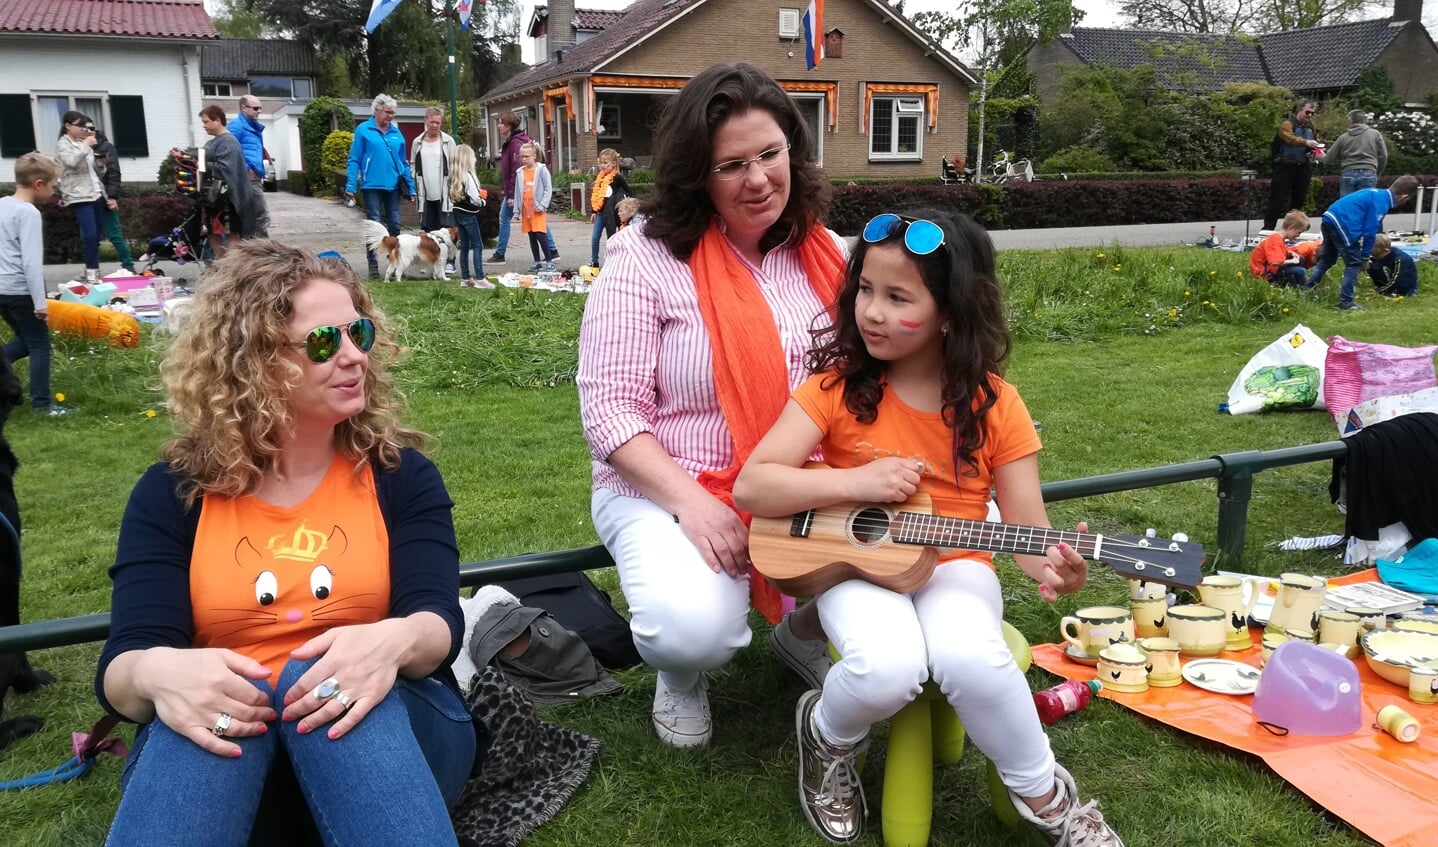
(949, 629)
(685, 618)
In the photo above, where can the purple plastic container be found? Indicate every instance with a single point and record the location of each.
(1308, 690)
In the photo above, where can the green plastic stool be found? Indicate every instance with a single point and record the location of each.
(926, 730)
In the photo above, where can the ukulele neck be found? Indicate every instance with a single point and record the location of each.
(936, 531)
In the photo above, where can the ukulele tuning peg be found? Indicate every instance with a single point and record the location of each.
(1150, 533)
(1180, 536)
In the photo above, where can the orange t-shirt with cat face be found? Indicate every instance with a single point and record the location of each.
(266, 579)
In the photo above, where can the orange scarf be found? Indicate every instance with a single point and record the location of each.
(750, 375)
(601, 185)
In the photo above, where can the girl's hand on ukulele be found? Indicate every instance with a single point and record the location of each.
(1066, 571)
(888, 480)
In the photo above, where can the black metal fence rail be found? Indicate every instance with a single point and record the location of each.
(1234, 472)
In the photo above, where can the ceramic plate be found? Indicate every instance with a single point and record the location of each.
(1222, 676)
(1080, 657)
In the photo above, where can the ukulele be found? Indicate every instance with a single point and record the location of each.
(893, 545)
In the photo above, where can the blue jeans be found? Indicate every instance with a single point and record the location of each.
(603, 224)
(1333, 248)
(32, 338)
(390, 780)
(1355, 179)
(88, 216)
(1290, 276)
(506, 213)
(470, 241)
(374, 199)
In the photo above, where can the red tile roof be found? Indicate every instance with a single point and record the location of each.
(596, 18)
(135, 18)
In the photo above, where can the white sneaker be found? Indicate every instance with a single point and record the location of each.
(681, 718)
(1065, 821)
(809, 659)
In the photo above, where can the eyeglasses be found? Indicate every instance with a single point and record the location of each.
(735, 168)
(324, 342)
(256, 108)
(921, 237)
(88, 128)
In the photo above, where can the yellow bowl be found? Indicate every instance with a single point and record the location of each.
(1391, 652)
(1415, 626)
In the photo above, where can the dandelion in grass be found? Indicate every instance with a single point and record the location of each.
(1285, 310)
(1187, 293)
(1098, 255)
(59, 397)
(1213, 273)
(1118, 267)
(150, 413)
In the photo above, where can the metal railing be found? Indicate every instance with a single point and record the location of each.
(1234, 472)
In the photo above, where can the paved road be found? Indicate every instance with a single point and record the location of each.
(318, 224)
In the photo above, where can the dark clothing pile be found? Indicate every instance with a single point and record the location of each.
(1391, 474)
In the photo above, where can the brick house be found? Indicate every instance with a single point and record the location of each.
(1318, 62)
(885, 102)
(131, 65)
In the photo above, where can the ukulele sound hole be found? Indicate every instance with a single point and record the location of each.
(870, 526)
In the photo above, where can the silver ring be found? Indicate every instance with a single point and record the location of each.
(222, 725)
(343, 699)
(327, 689)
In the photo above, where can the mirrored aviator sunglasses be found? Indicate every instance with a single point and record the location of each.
(921, 237)
(324, 342)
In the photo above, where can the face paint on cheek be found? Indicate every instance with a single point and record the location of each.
(910, 325)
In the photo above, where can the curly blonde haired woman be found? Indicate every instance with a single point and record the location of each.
(286, 583)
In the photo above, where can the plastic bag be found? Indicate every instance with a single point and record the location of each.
(1359, 371)
(1287, 374)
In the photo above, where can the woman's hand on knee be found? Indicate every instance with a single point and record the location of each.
(193, 688)
(717, 533)
(363, 661)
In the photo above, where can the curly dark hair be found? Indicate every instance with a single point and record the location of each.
(681, 208)
(962, 279)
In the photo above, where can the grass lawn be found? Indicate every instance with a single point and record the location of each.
(1122, 354)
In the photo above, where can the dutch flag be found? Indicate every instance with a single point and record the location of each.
(813, 33)
(465, 8)
(378, 12)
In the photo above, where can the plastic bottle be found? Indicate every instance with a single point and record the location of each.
(1065, 698)
(1213, 236)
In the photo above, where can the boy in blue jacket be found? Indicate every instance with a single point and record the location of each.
(379, 167)
(1349, 228)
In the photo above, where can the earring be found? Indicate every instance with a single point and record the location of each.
(944, 330)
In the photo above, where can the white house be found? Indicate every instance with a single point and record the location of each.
(131, 65)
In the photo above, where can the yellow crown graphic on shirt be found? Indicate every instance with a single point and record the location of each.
(305, 545)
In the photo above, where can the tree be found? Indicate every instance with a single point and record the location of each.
(993, 34)
(1230, 16)
(234, 20)
(1300, 14)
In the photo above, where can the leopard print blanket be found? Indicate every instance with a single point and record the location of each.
(531, 768)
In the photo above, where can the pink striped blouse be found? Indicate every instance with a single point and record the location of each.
(644, 356)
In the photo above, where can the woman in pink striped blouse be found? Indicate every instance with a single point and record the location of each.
(693, 337)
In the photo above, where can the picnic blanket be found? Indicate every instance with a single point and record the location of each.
(1386, 789)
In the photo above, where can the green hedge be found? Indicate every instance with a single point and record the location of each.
(141, 219)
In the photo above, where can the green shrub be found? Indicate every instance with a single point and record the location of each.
(334, 160)
(1076, 159)
(322, 116)
(141, 218)
(296, 183)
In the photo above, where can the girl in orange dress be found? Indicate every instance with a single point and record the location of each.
(534, 199)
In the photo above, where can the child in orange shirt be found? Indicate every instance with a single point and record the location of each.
(536, 190)
(907, 395)
(1281, 264)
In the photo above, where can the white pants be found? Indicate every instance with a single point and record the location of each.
(950, 630)
(686, 619)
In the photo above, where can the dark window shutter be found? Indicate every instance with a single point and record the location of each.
(17, 129)
(127, 113)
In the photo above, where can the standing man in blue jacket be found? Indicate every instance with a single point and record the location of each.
(379, 167)
(1349, 228)
(248, 130)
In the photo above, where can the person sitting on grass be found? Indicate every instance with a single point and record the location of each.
(1274, 260)
(1349, 228)
(1393, 272)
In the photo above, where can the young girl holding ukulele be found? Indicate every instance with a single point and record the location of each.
(907, 395)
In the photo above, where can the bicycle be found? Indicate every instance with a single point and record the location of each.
(1005, 167)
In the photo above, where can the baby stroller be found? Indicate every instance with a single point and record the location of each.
(186, 242)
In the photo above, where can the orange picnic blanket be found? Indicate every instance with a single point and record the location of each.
(1386, 789)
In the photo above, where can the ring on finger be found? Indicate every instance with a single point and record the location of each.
(222, 725)
(343, 699)
(327, 689)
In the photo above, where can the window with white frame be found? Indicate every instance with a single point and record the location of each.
(281, 87)
(609, 123)
(896, 128)
(813, 108)
(33, 120)
(52, 109)
(216, 89)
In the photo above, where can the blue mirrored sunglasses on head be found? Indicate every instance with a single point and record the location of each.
(921, 237)
(324, 342)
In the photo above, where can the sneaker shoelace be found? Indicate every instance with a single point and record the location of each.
(1084, 826)
(840, 782)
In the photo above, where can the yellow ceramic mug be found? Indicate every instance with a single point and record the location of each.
(1271, 640)
(1369, 618)
(1199, 630)
(1123, 667)
(1227, 593)
(1163, 665)
(1142, 589)
(1089, 630)
(1338, 627)
(1423, 685)
(1150, 616)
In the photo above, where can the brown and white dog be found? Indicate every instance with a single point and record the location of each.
(423, 249)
